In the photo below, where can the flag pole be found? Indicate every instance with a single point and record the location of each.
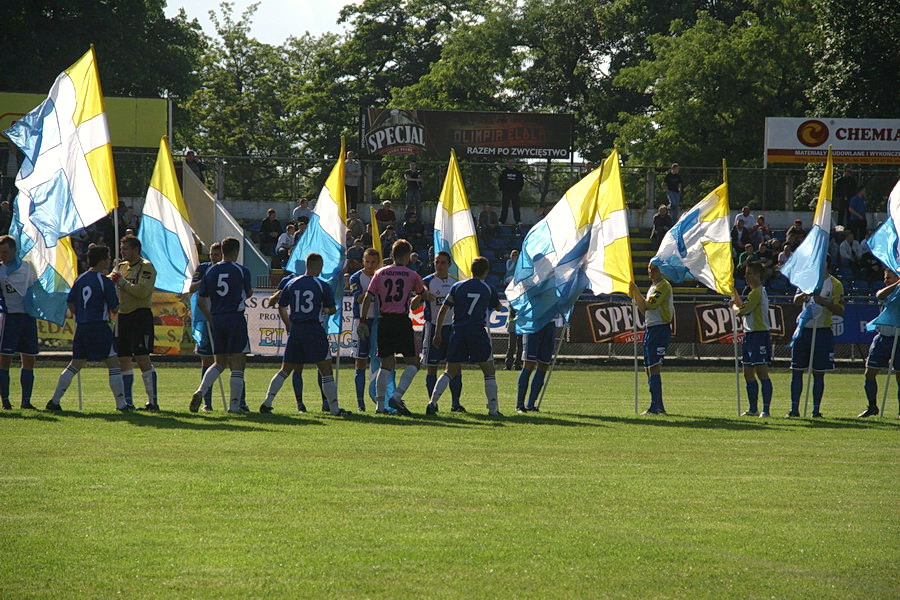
(81, 406)
(219, 379)
(559, 342)
(737, 375)
(812, 354)
(887, 384)
(634, 335)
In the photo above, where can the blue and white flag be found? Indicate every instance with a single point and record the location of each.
(326, 235)
(167, 239)
(884, 242)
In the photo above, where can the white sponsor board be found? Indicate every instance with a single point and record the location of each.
(267, 335)
(806, 140)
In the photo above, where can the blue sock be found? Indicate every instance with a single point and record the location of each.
(430, 380)
(871, 387)
(456, 390)
(128, 382)
(153, 377)
(796, 389)
(325, 405)
(4, 384)
(766, 394)
(655, 384)
(536, 384)
(297, 382)
(207, 397)
(818, 390)
(360, 381)
(753, 395)
(524, 376)
(26, 378)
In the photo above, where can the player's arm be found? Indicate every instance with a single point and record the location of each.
(285, 317)
(885, 292)
(112, 298)
(328, 306)
(442, 314)
(800, 298)
(836, 304)
(273, 299)
(195, 282)
(754, 298)
(70, 310)
(638, 298)
(143, 287)
(362, 328)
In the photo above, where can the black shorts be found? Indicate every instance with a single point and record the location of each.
(136, 333)
(395, 336)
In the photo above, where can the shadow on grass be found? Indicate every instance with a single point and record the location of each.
(31, 415)
(684, 422)
(168, 420)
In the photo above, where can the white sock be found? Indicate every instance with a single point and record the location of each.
(405, 380)
(117, 386)
(381, 383)
(209, 378)
(490, 391)
(147, 376)
(275, 386)
(439, 386)
(329, 386)
(237, 385)
(65, 380)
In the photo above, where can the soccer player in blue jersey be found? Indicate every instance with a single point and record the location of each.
(359, 283)
(301, 306)
(538, 353)
(438, 285)
(757, 346)
(880, 350)
(91, 300)
(296, 376)
(223, 291)
(19, 336)
(471, 300)
(203, 348)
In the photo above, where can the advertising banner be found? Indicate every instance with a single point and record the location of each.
(388, 131)
(806, 140)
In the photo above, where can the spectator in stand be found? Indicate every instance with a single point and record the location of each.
(11, 159)
(674, 189)
(488, 221)
(355, 256)
(662, 222)
(413, 178)
(511, 266)
(510, 182)
(744, 258)
(760, 234)
(746, 216)
(352, 178)
(5, 217)
(740, 237)
(285, 244)
(355, 225)
(834, 245)
(302, 224)
(385, 215)
(785, 254)
(767, 256)
(413, 230)
(870, 267)
(856, 213)
(850, 252)
(367, 236)
(269, 230)
(417, 265)
(388, 237)
(302, 210)
(844, 188)
(197, 166)
(795, 234)
(514, 344)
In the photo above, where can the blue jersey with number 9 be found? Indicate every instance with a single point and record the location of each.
(305, 296)
(227, 285)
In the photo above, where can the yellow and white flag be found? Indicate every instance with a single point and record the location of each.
(454, 229)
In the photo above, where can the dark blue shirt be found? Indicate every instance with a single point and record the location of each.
(306, 295)
(93, 296)
(227, 285)
(858, 203)
(471, 300)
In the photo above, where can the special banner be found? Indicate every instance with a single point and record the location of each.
(388, 131)
(708, 323)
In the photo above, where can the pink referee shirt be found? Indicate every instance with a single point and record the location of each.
(394, 285)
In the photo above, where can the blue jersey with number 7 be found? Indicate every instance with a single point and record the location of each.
(305, 296)
(227, 285)
(471, 300)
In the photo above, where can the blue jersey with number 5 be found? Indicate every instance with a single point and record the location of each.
(227, 285)
(306, 296)
(93, 295)
(471, 300)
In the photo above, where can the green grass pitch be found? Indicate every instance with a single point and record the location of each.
(584, 500)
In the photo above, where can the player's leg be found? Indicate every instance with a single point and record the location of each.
(329, 387)
(218, 343)
(325, 407)
(656, 340)
(823, 360)
(876, 360)
(297, 384)
(148, 375)
(5, 363)
(126, 365)
(63, 383)
(522, 387)
(752, 387)
(765, 383)
(490, 388)
(143, 339)
(537, 383)
(206, 361)
(799, 363)
(115, 382)
(275, 384)
(359, 381)
(441, 384)
(236, 363)
(26, 378)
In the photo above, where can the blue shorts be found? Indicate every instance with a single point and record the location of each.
(93, 341)
(307, 343)
(434, 355)
(656, 340)
(203, 347)
(469, 343)
(757, 348)
(19, 335)
(539, 346)
(880, 353)
(229, 332)
(823, 357)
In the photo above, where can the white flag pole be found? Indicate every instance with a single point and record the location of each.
(887, 384)
(559, 341)
(737, 375)
(80, 405)
(634, 336)
(812, 353)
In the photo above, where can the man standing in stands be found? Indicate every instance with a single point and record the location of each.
(511, 182)
(413, 178)
(352, 178)
(269, 230)
(674, 189)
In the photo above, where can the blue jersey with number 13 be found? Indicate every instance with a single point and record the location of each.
(306, 296)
